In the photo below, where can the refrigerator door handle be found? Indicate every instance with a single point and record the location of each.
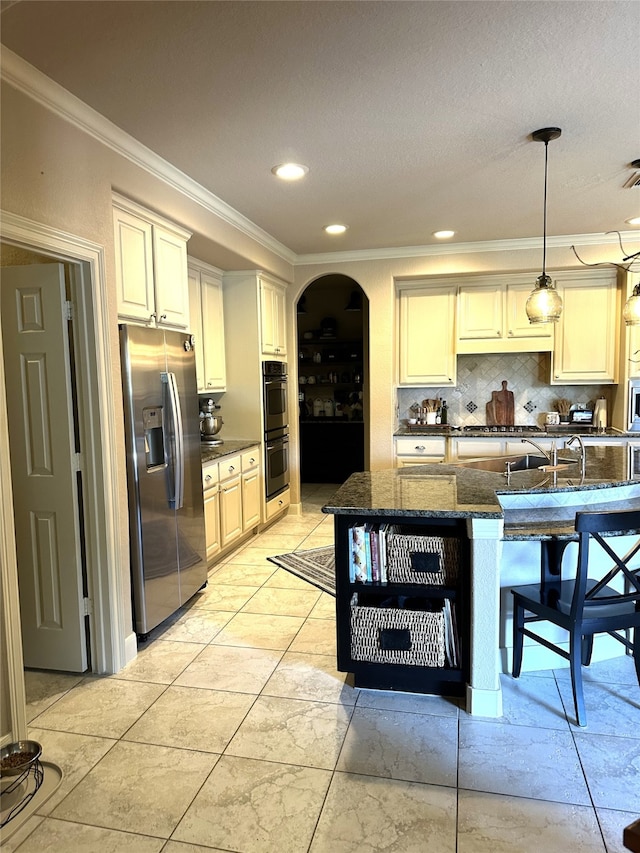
(178, 462)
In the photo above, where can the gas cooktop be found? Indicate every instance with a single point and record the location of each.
(513, 428)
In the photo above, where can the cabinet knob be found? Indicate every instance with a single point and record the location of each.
(251, 461)
(208, 477)
(153, 316)
(510, 333)
(232, 468)
(419, 447)
(498, 332)
(163, 316)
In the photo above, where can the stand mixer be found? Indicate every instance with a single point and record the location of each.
(210, 423)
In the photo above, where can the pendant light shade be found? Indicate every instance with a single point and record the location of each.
(544, 304)
(631, 312)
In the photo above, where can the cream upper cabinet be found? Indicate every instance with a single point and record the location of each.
(272, 318)
(207, 325)
(151, 267)
(492, 317)
(587, 332)
(426, 334)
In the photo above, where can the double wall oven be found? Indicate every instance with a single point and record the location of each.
(276, 427)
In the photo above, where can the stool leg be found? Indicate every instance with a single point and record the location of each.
(575, 664)
(587, 649)
(518, 637)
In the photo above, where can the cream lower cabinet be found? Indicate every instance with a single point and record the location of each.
(211, 491)
(207, 326)
(426, 334)
(151, 267)
(419, 450)
(230, 499)
(587, 332)
(232, 490)
(251, 489)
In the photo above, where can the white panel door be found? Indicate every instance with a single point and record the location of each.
(43, 457)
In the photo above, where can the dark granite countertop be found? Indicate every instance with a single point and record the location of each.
(552, 432)
(230, 446)
(453, 491)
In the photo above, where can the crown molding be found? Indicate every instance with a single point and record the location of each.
(27, 79)
(518, 245)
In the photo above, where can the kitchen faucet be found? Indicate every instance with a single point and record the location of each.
(582, 452)
(551, 455)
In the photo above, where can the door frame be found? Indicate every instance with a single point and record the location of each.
(112, 638)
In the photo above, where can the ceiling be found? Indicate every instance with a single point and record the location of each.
(411, 116)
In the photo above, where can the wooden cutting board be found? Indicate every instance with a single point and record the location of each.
(500, 409)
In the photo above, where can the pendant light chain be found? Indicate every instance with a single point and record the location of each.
(544, 218)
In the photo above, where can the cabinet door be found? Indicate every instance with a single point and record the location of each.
(215, 374)
(195, 325)
(426, 336)
(251, 503)
(134, 267)
(480, 312)
(586, 334)
(230, 510)
(212, 521)
(518, 325)
(171, 279)
(272, 319)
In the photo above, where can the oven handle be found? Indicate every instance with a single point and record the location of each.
(277, 442)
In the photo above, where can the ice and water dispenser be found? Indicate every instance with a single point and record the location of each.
(153, 437)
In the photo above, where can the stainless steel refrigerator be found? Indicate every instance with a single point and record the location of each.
(164, 472)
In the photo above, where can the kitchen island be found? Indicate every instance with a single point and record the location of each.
(504, 520)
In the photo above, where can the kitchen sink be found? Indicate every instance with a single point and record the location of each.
(501, 464)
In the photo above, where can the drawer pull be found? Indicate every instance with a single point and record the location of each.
(419, 447)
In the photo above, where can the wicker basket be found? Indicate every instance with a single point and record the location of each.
(389, 635)
(415, 558)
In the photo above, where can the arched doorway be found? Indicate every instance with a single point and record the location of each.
(333, 360)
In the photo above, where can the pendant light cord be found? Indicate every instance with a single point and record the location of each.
(544, 220)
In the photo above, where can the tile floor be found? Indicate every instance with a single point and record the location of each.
(232, 731)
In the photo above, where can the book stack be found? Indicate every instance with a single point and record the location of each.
(368, 562)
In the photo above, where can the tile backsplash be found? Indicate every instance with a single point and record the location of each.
(527, 375)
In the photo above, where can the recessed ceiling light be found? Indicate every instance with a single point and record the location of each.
(290, 171)
(335, 229)
(635, 220)
(443, 235)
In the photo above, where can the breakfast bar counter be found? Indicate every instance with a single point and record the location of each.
(506, 519)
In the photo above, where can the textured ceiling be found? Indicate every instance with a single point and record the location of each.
(412, 116)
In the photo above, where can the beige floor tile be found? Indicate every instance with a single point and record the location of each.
(255, 556)
(244, 574)
(317, 540)
(105, 707)
(197, 626)
(363, 813)
(240, 670)
(490, 823)
(256, 807)
(225, 597)
(313, 677)
(259, 631)
(280, 543)
(53, 836)
(138, 788)
(44, 688)
(183, 847)
(396, 745)
(74, 754)
(292, 731)
(160, 661)
(316, 637)
(192, 718)
(10, 843)
(282, 579)
(325, 608)
(285, 602)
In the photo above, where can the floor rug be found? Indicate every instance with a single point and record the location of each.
(317, 566)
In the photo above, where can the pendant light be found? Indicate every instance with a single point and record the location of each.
(544, 304)
(631, 312)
